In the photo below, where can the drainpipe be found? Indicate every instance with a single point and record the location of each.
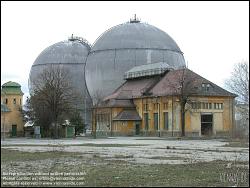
(159, 127)
(233, 128)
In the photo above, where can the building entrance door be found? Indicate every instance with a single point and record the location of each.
(137, 128)
(13, 132)
(206, 124)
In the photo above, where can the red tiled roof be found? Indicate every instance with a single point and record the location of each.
(133, 88)
(169, 84)
(117, 103)
(126, 115)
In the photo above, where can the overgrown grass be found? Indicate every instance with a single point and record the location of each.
(14, 155)
(237, 144)
(100, 172)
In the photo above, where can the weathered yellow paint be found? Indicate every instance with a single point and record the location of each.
(195, 122)
(188, 126)
(130, 125)
(217, 122)
(222, 118)
(14, 117)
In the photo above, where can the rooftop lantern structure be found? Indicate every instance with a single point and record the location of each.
(147, 70)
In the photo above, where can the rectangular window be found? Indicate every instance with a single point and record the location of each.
(165, 114)
(155, 106)
(145, 107)
(210, 105)
(165, 106)
(208, 86)
(206, 105)
(218, 105)
(199, 105)
(146, 121)
(6, 101)
(20, 101)
(156, 121)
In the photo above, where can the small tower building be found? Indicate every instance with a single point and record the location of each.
(11, 104)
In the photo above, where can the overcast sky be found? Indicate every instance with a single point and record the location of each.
(213, 35)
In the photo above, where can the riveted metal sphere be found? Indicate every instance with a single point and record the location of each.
(71, 55)
(123, 47)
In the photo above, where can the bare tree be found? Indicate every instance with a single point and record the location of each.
(53, 96)
(35, 111)
(97, 99)
(239, 82)
(181, 84)
(185, 90)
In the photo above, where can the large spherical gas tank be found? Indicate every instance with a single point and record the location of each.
(71, 55)
(123, 47)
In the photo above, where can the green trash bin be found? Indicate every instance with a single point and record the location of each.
(70, 132)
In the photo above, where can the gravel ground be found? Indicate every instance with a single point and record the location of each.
(140, 150)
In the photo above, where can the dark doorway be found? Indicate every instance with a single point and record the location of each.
(146, 121)
(137, 128)
(206, 124)
(165, 114)
(14, 129)
(156, 121)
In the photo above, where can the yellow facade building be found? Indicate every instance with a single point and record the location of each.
(149, 104)
(11, 104)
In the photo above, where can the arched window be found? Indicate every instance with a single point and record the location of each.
(14, 101)
(6, 101)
